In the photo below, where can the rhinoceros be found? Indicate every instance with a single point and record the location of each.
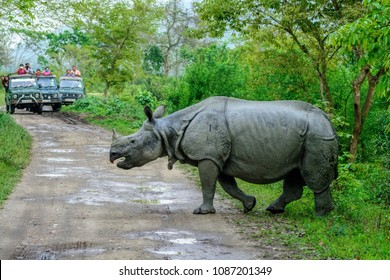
(259, 142)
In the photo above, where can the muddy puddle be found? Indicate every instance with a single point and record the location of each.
(78, 250)
(101, 191)
(189, 245)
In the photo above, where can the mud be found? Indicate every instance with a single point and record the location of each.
(72, 203)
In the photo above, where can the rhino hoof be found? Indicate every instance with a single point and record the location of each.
(204, 210)
(323, 211)
(249, 206)
(275, 210)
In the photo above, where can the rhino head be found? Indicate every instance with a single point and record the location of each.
(141, 147)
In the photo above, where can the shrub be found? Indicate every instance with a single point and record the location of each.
(213, 71)
(146, 98)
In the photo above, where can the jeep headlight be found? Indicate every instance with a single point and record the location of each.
(37, 95)
(14, 96)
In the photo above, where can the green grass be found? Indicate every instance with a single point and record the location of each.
(2, 97)
(355, 229)
(126, 116)
(121, 126)
(14, 154)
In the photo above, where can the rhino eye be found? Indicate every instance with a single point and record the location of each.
(132, 141)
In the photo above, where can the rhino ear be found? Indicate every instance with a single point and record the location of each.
(160, 111)
(115, 136)
(148, 113)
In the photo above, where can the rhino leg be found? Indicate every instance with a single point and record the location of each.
(208, 173)
(323, 202)
(292, 190)
(319, 170)
(229, 184)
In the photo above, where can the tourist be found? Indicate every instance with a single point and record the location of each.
(21, 70)
(47, 72)
(76, 72)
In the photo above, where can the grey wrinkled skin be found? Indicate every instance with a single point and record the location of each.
(227, 138)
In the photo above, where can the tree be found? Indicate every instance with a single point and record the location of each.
(308, 23)
(278, 71)
(174, 24)
(212, 71)
(16, 13)
(367, 42)
(4, 50)
(12, 13)
(118, 29)
(58, 42)
(153, 60)
(66, 48)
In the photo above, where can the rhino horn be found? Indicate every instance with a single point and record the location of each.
(115, 136)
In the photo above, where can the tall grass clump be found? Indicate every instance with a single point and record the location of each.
(14, 154)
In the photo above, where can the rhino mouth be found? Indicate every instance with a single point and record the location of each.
(124, 163)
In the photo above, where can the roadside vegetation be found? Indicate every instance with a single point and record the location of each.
(14, 154)
(333, 54)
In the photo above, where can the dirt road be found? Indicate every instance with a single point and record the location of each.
(72, 203)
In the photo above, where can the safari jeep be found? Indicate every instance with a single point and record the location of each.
(49, 90)
(71, 88)
(23, 93)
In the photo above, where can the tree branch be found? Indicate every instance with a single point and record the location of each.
(372, 82)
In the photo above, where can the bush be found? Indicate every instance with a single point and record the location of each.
(213, 71)
(113, 112)
(146, 98)
(375, 139)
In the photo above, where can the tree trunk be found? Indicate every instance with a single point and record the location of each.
(321, 68)
(357, 115)
(360, 114)
(325, 92)
(166, 63)
(106, 88)
(357, 130)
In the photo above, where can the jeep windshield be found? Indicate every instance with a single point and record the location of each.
(71, 84)
(17, 83)
(47, 82)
